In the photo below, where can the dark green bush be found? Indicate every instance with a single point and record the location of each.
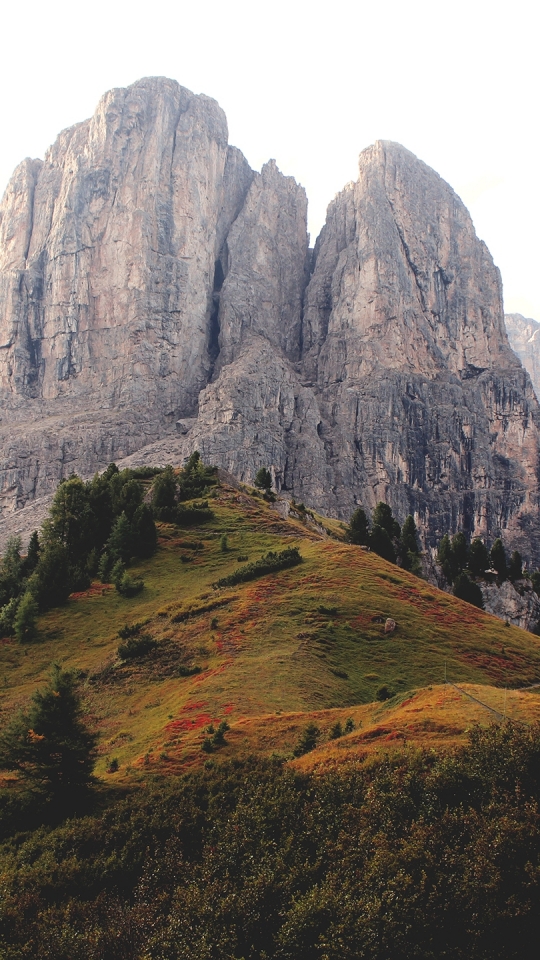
(270, 563)
(136, 646)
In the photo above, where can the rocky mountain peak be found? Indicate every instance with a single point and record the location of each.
(158, 296)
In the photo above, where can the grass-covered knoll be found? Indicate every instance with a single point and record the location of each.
(412, 855)
(304, 639)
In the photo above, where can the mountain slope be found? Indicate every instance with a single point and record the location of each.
(302, 640)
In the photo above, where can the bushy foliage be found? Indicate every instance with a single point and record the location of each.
(405, 856)
(270, 563)
(136, 646)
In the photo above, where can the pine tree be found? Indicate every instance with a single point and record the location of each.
(263, 479)
(51, 581)
(478, 558)
(24, 623)
(165, 494)
(445, 558)
(383, 517)
(408, 547)
(381, 543)
(120, 543)
(468, 590)
(144, 531)
(498, 559)
(49, 744)
(515, 567)
(358, 531)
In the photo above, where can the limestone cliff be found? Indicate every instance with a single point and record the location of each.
(524, 337)
(157, 296)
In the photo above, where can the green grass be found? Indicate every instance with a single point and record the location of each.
(303, 639)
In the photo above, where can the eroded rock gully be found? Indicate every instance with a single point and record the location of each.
(158, 296)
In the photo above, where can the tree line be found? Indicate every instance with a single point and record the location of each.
(386, 538)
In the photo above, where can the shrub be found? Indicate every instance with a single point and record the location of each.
(129, 630)
(270, 563)
(384, 693)
(224, 544)
(349, 725)
(336, 731)
(136, 647)
(128, 586)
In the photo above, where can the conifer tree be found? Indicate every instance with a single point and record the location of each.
(515, 567)
(48, 744)
(498, 559)
(408, 546)
(478, 558)
(24, 623)
(358, 531)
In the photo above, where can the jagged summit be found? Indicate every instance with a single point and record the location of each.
(156, 290)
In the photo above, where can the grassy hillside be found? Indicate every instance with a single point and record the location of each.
(268, 655)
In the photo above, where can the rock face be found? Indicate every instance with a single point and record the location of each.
(524, 337)
(516, 603)
(157, 296)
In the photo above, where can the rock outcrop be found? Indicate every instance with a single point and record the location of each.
(158, 296)
(524, 337)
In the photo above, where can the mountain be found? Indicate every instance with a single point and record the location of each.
(157, 296)
(524, 337)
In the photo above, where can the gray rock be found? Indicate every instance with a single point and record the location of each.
(524, 337)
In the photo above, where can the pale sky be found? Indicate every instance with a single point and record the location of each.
(311, 85)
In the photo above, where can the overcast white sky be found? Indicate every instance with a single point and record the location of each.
(311, 85)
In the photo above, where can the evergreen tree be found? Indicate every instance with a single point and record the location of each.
(11, 571)
(478, 558)
(408, 547)
(24, 624)
(7, 617)
(105, 566)
(70, 522)
(131, 498)
(165, 494)
(498, 559)
(460, 553)
(32, 556)
(51, 581)
(515, 567)
(120, 543)
(358, 531)
(144, 531)
(445, 558)
(263, 479)
(101, 506)
(468, 590)
(383, 517)
(381, 543)
(49, 745)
